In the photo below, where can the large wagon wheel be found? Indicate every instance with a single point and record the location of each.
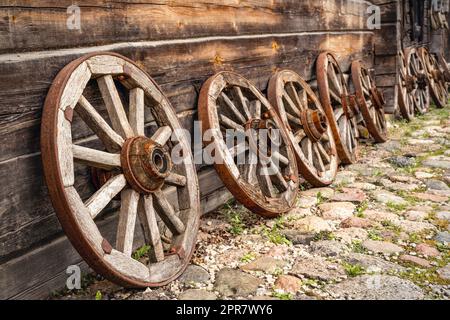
(141, 172)
(371, 102)
(252, 152)
(436, 78)
(308, 129)
(416, 68)
(339, 107)
(407, 87)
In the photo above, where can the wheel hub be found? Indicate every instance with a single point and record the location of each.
(410, 83)
(422, 81)
(314, 123)
(145, 164)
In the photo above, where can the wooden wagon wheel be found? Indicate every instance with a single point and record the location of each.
(436, 78)
(371, 102)
(152, 186)
(259, 168)
(308, 129)
(339, 106)
(416, 69)
(406, 88)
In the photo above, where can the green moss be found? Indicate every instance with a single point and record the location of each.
(324, 235)
(357, 247)
(282, 295)
(98, 295)
(248, 257)
(141, 252)
(395, 207)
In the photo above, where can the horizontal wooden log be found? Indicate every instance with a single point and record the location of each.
(32, 25)
(42, 271)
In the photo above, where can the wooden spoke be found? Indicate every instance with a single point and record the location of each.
(95, 158)
(127, 221)
(114, 106)
(105, 194)
(318, 159)
(292, 107)
(243, 102)
(301, 103)
(167, 213)
(224, 101)
(233, 108)
(230, 124)
(112, 141)
(176, 180)
(293, 119)
(162, 135)
(324, 154)
(147, 217)
(137, 117)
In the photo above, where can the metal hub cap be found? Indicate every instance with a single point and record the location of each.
(145, 164)
(314, 123)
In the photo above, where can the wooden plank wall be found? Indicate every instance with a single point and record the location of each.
(180, 43)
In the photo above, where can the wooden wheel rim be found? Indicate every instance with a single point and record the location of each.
(345, 130)
(436, 81)
(421, 93)
(76, 218)
(247, 190)
(373, 114)
(405, 99)
(445, 68)
(283, 90)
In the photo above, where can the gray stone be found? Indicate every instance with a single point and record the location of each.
(443, 215)
(416, 227)
(437, 162)
(318, 268)
(377, 287)
(337, 210)
(235, 283)
(326, 193)
(444, 272)
(194, 294)
(264, 264)
(364, 186)
(297, 237)
(344, 178)
(402, 161)
(194, 274)
(386, 197)
(443, 237)
(382, 247)
(311, 224)
(436, 185)
(348, 235)
(391, 146)
(328, 248)
(372, 263)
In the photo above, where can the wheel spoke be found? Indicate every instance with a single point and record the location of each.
(293, 108)
(280, 158)
(233, 108)
(324, 153)
(294, 119)
(264, 180)
(112, 141)
(291, 88)
(95, 158)
(243, 101)
(318, 157)
(137, 117)
(127, 221)
(162, 135)
(167, 213)
(105, 194)
(115, 107)
(255, 109)
(176, 180)
(230, 124)
(149, 224)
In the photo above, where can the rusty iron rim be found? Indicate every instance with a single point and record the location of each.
(60, 199)
(347, 145)
(370, 101)
(435, 78)
(248, 192)
(314, 126)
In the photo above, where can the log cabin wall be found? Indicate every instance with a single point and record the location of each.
(180, 43)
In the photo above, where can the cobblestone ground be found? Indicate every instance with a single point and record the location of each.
(380, 232)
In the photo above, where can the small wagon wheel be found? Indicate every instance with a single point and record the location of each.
(308, 129)
(141, 170)
(339, 106)
(406, 88)
(416, 69)
(436, 78)
(371, 102)
(252, 153)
